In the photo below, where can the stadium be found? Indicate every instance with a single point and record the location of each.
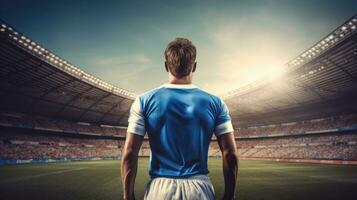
(63, 127)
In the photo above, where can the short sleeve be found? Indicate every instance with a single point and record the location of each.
(136, 119)
(223, 120)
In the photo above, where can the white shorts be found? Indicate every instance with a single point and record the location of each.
(198, 187)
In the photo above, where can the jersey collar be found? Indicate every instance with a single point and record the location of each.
(179, 86)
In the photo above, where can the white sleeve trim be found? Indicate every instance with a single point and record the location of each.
(136, 129)
(136, 119)
(223, 128)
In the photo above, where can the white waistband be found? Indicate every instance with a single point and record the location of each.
(194, 177)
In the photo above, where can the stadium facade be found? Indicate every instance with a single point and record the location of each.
(51, 110)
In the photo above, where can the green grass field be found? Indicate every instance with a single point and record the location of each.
(101, 180)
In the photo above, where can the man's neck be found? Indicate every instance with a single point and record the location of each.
(183, 80)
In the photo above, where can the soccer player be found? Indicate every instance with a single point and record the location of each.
(180, 120)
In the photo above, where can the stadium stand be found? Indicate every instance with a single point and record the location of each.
(343, 122)
(24, 135)
(47, 146)
(36, 81)
(321, 82)
(339, 146)
(42, 123)
(51, 110)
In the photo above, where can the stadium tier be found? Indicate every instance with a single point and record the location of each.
(17, 120)
(53, 110)
(340, 146)
(36, 146)
(320, 82)
(16, 145)
(331, 124)
(26, 138)
(36, 81)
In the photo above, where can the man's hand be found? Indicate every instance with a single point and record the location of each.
(129, 164)
(230, 164)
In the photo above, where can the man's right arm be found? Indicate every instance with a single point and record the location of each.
(230, 163)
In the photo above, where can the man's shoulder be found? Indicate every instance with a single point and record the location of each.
(212, 97)
(148, 94)
(161, 90)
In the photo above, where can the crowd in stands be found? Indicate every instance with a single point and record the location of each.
(21, 146)
(48, 139)
(335, 146)
(38, 122)
(30, 121)
(336, 122)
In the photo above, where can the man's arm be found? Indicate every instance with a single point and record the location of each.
(230, 163)
(129, 163)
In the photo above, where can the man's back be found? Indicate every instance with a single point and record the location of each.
(179, 120)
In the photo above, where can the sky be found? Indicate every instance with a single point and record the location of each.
(123, 42)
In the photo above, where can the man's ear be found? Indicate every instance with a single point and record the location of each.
(194, 67)
(166, 67)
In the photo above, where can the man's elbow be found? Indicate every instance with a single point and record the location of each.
(129, 156)
(231, 155)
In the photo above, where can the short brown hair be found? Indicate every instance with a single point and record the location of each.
(180, 55)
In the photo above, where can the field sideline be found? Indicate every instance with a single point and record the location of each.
(101, 180)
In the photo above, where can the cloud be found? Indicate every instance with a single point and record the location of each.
(122, 67)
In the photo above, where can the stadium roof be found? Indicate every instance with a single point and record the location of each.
(34, 80)
(320, 82)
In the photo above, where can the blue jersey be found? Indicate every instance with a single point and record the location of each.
(179, 121)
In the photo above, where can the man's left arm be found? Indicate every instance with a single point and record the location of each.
(134, 138)
(129, 164)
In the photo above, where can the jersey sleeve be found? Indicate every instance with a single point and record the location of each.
(223, 121)
(136, 119)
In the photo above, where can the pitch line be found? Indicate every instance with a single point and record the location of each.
(41, 175)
